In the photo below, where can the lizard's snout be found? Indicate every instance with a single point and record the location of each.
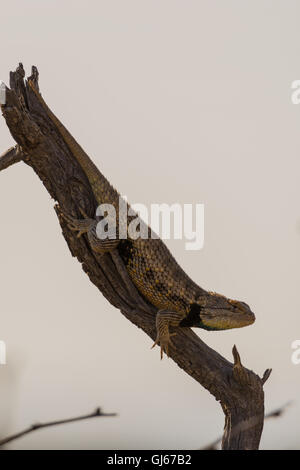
(245, 311)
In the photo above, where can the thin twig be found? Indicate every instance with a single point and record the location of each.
(278, 412)
(34, 427)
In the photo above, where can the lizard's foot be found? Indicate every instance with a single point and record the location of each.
(78, 225)
(164, 342)
(164, 319)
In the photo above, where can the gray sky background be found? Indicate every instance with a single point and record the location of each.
(176, 101)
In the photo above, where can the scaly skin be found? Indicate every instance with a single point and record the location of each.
(150, 265)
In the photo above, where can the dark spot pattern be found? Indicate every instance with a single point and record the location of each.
(158, 276)
(193, 317)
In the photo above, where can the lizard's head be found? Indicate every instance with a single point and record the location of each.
(220, 313)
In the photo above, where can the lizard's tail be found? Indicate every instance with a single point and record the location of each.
(93, 174)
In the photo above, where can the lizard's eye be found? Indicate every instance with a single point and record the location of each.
(244, 307)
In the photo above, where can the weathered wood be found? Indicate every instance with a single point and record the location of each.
(11, 156)
(239, 390)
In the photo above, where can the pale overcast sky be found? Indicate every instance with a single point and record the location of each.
(176, 101)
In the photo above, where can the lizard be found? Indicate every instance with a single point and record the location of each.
(149, 264)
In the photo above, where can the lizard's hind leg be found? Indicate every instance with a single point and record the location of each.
(164, 319)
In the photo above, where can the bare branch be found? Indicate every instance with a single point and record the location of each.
(266, 375)
(36, 426)
(272, 414)
(239, 390)
(11, 156)
(278, 411)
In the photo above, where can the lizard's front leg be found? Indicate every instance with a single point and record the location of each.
(164, 319)
(78, 225)
(89, 226)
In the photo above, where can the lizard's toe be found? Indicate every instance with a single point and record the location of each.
(164, 343)
(83, 213)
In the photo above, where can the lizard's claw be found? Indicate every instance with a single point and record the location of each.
(63, 215)
(164, 342)
(83, 213)
(70, 220)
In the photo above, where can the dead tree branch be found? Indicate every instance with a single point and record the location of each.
(239, 390)
(11, 156)
(277, 413)
(36, 426)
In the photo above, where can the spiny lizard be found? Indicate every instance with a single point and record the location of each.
(149, 263)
